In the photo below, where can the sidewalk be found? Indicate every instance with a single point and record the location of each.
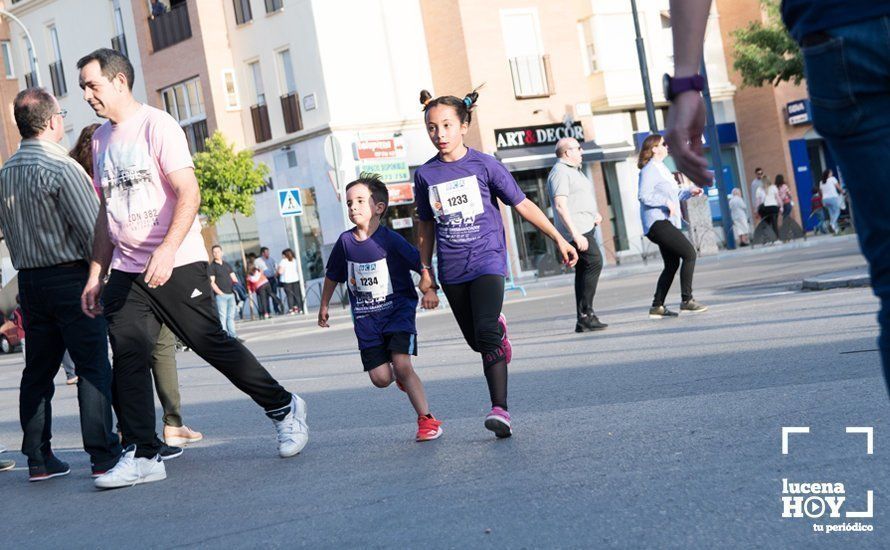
(654, 264)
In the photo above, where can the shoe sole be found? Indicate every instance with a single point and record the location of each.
(651, 316)
(430, 438)
(175, 455)
(10, 467)
(147, 479)
(702, 310)
(181, 441)
(579, 330)
(500, 428)
(49, 476)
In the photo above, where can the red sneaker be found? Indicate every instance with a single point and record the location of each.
(428, 428)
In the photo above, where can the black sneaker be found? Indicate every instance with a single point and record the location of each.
(100, 469)
(6, 465)
(661, 312)
(167, 452)
(50, 467)
(692, 306)
(589, 323)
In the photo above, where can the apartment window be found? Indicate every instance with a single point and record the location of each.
(259, 90)
(232, 100)
(588, 46)
(273, 5)
(667, 39)
(290, 101)
(118, 41)
(185, 103)
(529, 65)
(7, 58)
(242, 11)
(259, 113)
(56, 71)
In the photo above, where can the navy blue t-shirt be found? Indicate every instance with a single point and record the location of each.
(803, 17)
(377, 273)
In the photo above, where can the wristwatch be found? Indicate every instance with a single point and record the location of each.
(676, 86)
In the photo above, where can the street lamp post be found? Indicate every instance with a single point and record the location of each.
(30, 44)
(644, 71)
(717, 161)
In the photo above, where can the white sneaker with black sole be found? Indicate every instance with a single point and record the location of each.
(290, 422)
(130, 471)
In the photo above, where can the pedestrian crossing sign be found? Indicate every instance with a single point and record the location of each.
(289, 202)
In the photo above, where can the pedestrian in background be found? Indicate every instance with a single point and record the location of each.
(222, 281)
(289, 275)
(660, 214)
(785, 198)
(739, 212)
(576, 219)
(771, 206)
(47, 212)
(830, 190)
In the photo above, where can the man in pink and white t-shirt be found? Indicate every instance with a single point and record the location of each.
(148, 235)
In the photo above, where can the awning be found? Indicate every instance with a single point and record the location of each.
(544, 156)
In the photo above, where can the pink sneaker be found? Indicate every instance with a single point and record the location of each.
(498, 421)
(505, 342)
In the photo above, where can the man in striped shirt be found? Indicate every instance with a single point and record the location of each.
(47, 213)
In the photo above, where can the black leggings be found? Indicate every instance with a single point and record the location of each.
(294, 298)
(674, 247)
(476, 305)
(771, 216)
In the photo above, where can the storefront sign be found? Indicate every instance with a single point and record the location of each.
(530, 136)
(390, 171)
(400, 193)
(402, 223)
(799, 112)
(369, 149)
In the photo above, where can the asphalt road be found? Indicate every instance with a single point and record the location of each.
(651, 434)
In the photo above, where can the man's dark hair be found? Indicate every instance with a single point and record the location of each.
(111, 62)
(32, 108)
(215, 246)
(379, 192)
(264, 249)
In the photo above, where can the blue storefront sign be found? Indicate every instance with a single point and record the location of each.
(798, 112)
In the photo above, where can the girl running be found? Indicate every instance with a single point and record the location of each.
(457, 192)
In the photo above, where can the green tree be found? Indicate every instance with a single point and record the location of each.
(228, 182)
(765, 52)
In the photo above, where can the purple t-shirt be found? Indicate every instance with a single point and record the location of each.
(462, 197)
(377, 272)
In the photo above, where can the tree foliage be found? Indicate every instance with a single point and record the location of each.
(765, 52)
(228, 180)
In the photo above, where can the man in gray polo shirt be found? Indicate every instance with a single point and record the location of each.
(576, 218)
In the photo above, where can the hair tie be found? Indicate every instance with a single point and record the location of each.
(468, 102)
(427, 101)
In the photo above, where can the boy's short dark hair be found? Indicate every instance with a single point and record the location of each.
(378, 189)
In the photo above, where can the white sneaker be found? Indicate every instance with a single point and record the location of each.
(130, 471)
(290, 422)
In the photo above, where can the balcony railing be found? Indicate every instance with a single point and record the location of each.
(273, 5)
(170, 28)
(57, 74)
(31, 79)
(290, 106)
(262, 131)
(196, 135)
(119, 43)
(532, 76)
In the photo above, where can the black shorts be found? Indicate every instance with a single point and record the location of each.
(396, 342)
